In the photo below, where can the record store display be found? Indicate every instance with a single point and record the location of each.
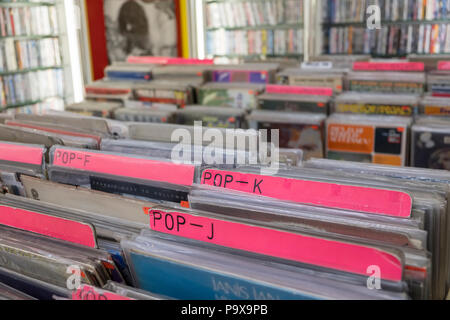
(250, 151)
(138, 219)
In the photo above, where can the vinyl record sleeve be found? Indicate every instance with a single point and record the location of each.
(211, 273)
(368, 139)
(376, 104)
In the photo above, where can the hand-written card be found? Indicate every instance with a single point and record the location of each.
(139, 168)
(86, 292)
(332, 195)
(55, 227)
(388, 66)
(282, 244)
(444, 65)
(283, 89)
(21, 153)
(169, 60)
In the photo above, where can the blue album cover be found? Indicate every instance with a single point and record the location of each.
(129, 75)
(188, 282)
(122, 267)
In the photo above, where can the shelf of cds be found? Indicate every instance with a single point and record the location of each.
(406, 27)
(267, 28)
(31, 63)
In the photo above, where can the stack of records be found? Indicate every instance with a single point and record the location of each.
(341, 61)
(340, 196)
(296, 99)
(191, 74)
(297, 130)
(235, 95)
(387, 77)
(165, 91)
(95, 108)
(262, 73)
(435, 106)
(143, 115)
(127, 71)
(219, 117)
(333, 78)
(376, 103)
(430, 61)
(368, 138)
(431, 143)
(439, 83)
(103, 90)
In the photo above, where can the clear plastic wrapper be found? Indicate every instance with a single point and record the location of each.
(175, 133)
(282, 186)
(70, 120)
(35, 288)
(8, 293)
(48, 139)
(48, 260)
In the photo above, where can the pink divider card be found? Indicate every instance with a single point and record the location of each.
(332, 195)
(86, 292)
(169, 60)
(118, 165)
(55, 227)
(283, 89)
(388, 66)
(21, 153)
(281, 244)
(444, 65)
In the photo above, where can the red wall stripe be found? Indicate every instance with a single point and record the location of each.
(97, 37)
